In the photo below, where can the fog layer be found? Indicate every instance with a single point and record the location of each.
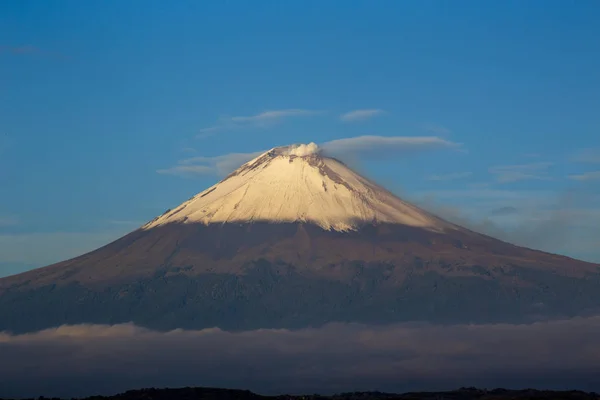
(92, 359)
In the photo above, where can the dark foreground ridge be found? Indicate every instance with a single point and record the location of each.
(230, 394)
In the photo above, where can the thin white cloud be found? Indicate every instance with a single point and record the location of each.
(587, 176)
(360, 115)
(485, 193)
(450, 177)
(503, 211)
(27, 50)
(562, 223)
(361, 146)
(263, 119)
(275, 115)
(20, 50)
(514, 173)
(379, 146)
(223, 124)
(223, 164)
(587, 156)
(183, 170)
(8, 220)
(218, 165)
(479, 185)
(209, 131)
(435, 128)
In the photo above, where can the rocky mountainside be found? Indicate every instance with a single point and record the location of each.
(294, 239)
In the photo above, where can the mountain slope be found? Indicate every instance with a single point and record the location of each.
(293, 239)
(280, 186)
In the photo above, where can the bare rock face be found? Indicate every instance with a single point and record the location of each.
(290, 241)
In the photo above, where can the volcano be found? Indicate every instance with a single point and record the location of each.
(295, 239)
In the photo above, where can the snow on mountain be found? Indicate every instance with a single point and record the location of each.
(237, 257)
(297, 184)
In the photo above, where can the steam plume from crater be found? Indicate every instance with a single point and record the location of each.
(302, 150)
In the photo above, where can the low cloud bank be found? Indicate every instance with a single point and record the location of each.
(91, 359)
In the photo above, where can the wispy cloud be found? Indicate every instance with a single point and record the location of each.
(435, 128)
(224, 124)
(479, 185)
(361, 146)
(450, 177)
(8, 220)
(210, 131)
(186, 170)
(486, 193)
(562, 223)
(101, 359)
(379, 146)
(514, 173)
(31, 50)
(19, 49)
(587, 156)
(587, 176)
(218, 165)
(223, 164)
(275, 115)
(361, 115)
(502, 211)
(263, 119)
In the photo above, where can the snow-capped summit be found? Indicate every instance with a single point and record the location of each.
(295, 239)
(298, 184)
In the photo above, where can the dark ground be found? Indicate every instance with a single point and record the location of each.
(460, 394)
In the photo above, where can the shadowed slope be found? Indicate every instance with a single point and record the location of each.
(194, 249)
(295, 275)
(288, 241)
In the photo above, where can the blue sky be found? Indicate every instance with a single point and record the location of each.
(102, 101)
